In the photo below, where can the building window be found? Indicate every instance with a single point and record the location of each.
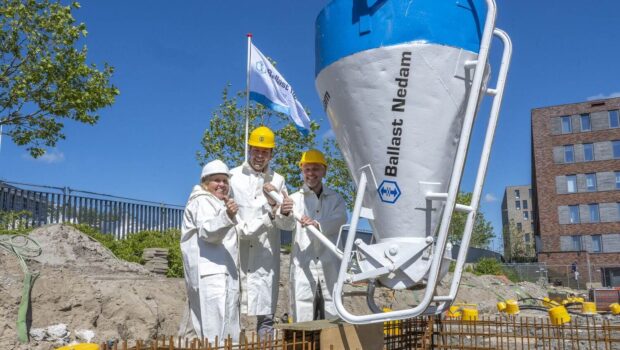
(567, 126)
(585, 122)
(618, 180)
(597, 244)
(518, 205)
(571, 183)
(569, 154)
(526, 215)
(594, 214)
(613, 119)
(517, 194)
(573, 214)
(616, 147)
(519, 227)
(525, 204)
(576, 243)
(532, 224)
(590, 182)
(588, 152)
(527, 238)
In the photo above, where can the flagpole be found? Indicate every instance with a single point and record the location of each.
(247, 96)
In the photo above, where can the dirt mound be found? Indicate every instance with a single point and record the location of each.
(66, 246)
(83, 286)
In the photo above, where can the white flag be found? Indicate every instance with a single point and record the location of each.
(270, 89)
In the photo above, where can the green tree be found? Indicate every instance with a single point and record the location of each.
(225, 139)
(482, 232)
(44, 78)
(515, 247)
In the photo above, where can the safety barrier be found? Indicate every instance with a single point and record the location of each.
(115, 215)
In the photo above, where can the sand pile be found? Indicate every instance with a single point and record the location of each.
(84, 287)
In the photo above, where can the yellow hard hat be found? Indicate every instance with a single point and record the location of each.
(313, 156)
(262, 137)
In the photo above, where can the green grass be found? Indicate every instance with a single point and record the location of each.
(131, 248)
(13, 222)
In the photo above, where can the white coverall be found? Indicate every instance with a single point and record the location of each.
(210, 261)
(259, 240)
(311, 261)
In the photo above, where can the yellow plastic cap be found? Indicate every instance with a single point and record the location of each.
(313, 156)
(588, 308)
(559, 315)
(512, 307)
(549, 303)
(453, 312)
(501, 306)
(83, 346)
(615, 309)
(262, 137)
(470, 315)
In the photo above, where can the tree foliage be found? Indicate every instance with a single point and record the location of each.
(482, 233)
(44, 78)
(225, 139)
(516, 248)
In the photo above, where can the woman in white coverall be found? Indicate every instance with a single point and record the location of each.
(259, 240)
(314, 268)
(210, 258)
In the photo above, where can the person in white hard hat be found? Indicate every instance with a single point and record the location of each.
(210, 258)
(313, 268)
(259, 239)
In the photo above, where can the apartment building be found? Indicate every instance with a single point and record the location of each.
(518, 223)
(576, 185)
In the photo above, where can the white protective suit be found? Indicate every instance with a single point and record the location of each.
(311, 261)
(259, 240)
(210, 259)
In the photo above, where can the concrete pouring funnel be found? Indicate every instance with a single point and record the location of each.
(394, 81)
(401, 82)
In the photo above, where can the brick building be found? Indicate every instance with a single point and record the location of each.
(518, 223)
(576, 185)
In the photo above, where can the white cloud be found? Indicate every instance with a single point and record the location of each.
(602, 96)
(50, 157)
(489, 198)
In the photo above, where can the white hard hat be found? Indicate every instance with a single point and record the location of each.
(214, 167)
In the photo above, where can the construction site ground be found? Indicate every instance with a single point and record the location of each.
(100, 298)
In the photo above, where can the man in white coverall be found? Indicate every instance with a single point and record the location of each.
(314, 268)
(210, 258)
(259, 240)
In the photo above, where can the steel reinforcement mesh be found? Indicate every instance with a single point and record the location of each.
(428, 333)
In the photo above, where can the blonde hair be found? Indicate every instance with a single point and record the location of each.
(206, 179)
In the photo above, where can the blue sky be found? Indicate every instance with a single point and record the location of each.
(172, 61)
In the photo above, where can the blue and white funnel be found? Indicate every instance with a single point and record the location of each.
(394, 81)
(401, 82)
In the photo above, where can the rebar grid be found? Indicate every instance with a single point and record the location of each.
(427, 333)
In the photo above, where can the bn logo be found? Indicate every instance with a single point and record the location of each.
(389, 191)
(260, 67)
